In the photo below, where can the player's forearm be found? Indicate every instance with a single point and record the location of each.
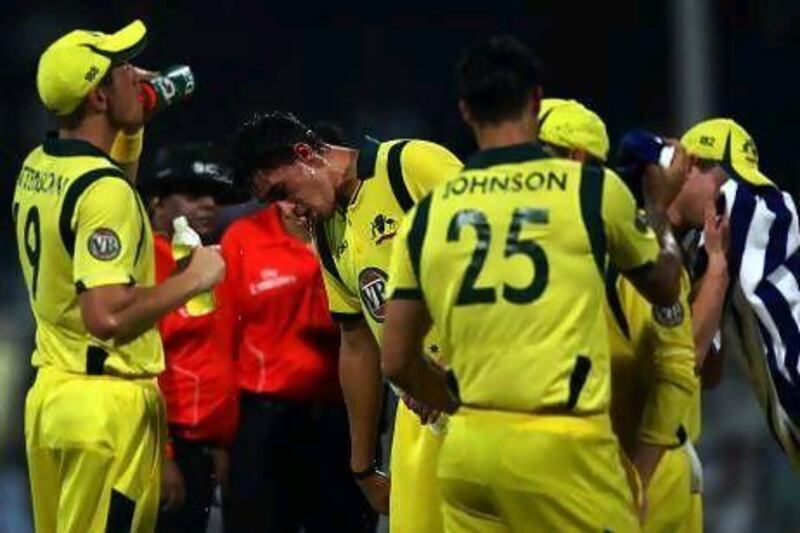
(360, 377)
(130, 311)
(424, 381)
(707, 307)
(661, 285)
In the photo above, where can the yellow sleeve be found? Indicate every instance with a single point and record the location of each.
(109, 234)
(342, 303)
(425, 165)
(631, 242)
(673, 379)
(403, 281)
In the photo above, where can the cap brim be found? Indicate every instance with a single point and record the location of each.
(123, 45)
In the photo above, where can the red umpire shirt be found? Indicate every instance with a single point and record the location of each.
(199, 383)
(284, 339)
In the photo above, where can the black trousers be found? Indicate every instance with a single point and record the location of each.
(290, 470)
(196, 466)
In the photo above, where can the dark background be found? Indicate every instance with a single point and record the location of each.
(387, 68)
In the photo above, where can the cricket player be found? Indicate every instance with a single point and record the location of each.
(358, 198)
(507, 259)
(655, 402)
(94, 419)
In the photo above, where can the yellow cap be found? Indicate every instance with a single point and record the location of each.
(73, 65)
(723, 140)
(569, 124)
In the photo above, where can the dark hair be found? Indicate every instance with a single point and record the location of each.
(331, 133)
(496, 77)
(266, 141)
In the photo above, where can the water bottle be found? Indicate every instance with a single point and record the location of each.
(184, 240)
(169, 87)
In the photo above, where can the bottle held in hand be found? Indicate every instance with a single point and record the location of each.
(184, 241)
(169, 87)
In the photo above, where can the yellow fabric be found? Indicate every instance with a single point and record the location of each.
(654, 385)
(670, 502)
(112, 244)
(360, 250)
(723, 140)
(508, 472)
(87, 436)
(75, 63)
(570, 124)
(415, 490)
(127, 148)
(541, 318)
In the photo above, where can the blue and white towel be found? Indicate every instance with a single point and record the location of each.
(761, 319)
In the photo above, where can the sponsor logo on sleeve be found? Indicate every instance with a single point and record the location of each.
(371, 286)
(669, 316)
(104, 244)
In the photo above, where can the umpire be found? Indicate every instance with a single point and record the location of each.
(198, 383)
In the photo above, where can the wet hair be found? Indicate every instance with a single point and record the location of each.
(266, 141)
(496, 79)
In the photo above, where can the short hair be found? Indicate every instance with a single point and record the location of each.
(331, 133)
(266, 141)
(496, 77)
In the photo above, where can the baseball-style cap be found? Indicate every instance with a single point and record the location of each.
(73, 65)
(723, 140)
(191, 167)
(570, 124)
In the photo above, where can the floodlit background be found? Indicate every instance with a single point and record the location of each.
(387, 69)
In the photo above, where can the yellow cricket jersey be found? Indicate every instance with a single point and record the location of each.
(355, 245)
(655, 396)
(509, 258)
(80, 224)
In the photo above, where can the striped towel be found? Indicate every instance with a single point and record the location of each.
(761, 319)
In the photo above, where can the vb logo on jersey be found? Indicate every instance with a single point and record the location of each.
(371, 285)
(383, 228)
(104, 244)
(670, 316)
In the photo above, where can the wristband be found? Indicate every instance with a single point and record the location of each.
(370, 471)
(127, 148)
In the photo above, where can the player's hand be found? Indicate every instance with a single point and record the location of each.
(206, 268)
(173, 489)
(426, 414)
(376, 488)
(717, 236)
(661, 185)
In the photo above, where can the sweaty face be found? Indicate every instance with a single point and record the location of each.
(125, 110)
(701, 187)
(309, 187)
(199, 209)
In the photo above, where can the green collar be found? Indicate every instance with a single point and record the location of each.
(514, 153)
(367, 156)
(57, 147)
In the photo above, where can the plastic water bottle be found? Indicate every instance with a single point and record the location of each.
(184, 240)
(169, 87)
